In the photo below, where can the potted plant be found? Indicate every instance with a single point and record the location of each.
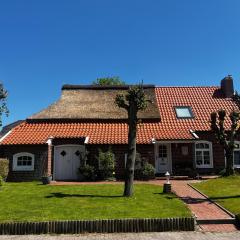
(46, 179)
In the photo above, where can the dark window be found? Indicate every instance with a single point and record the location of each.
(237, 158)
(24, 161)
(162, 151)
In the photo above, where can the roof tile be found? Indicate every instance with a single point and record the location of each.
(203, 101)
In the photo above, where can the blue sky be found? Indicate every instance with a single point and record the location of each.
(47, 43)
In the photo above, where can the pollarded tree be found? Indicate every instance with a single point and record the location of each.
(134, 101)
(3, 106)
(226, 137)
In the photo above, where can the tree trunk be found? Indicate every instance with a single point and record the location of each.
(129, 170)
(229, 162)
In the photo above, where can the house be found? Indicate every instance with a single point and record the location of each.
(174, 133)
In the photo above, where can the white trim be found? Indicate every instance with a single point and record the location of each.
(153, 140)
(4, 136)
(210, 154)
(49, 141)
(194, 134)
(15, 167)
(86, 140)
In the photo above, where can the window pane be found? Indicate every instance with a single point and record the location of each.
(206, 146)
(19, 163)
(199, 162)
(206, 153)
(29, 163)
(198, 153)
(236, 157)
(183, 112)
(200, 145)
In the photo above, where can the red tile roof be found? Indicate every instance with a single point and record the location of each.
(203, 100)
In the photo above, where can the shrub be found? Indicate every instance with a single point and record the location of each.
(87, 173)
(143, 169)
(148, 171)
(4, 168)
(1, 182)
(106, 162)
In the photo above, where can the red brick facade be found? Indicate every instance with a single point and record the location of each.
(146, 151)
(44, 157)
(40, 161)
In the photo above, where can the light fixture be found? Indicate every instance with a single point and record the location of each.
(167, 175)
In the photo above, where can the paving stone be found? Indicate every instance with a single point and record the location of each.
(201, 207)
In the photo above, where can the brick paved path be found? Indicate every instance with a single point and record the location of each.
(200, 206)
(133, 236)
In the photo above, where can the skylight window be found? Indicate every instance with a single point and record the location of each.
(184, 112)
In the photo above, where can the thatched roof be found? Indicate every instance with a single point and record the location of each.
(95, 102)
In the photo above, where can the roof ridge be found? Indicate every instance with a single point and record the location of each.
(187, 87)
(102, 87)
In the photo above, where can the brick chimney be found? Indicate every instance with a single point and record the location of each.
(227, 86)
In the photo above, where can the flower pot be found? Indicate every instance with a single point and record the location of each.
(46, 179)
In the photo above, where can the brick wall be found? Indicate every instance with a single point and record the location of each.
(146, 151)
(218, 152)
(179, 160)
(40, 153)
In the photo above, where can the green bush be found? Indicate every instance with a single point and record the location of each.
(143, 169)
(87, 173)
(148, 171)
(4, 168)
(106, 162)
(1, 182)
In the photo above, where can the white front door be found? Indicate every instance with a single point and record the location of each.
(163, 158)
(67, 161)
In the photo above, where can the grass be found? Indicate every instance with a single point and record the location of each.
(224, 190)
(36, 202)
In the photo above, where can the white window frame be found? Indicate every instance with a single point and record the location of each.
(23, 168)
(203, 149)
(236, 150)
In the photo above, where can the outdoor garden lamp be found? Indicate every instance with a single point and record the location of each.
(167, 174)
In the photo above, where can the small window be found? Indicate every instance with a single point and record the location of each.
(23, 162)
(203, 155)
(184, 112)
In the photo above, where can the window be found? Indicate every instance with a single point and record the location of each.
(184, 112)
(236, 155)
(203, 154)
(162, 151)
(23, 162)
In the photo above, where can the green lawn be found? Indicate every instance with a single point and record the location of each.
(36, 202)
(224, 190)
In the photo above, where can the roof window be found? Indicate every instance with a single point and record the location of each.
(184, 112)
